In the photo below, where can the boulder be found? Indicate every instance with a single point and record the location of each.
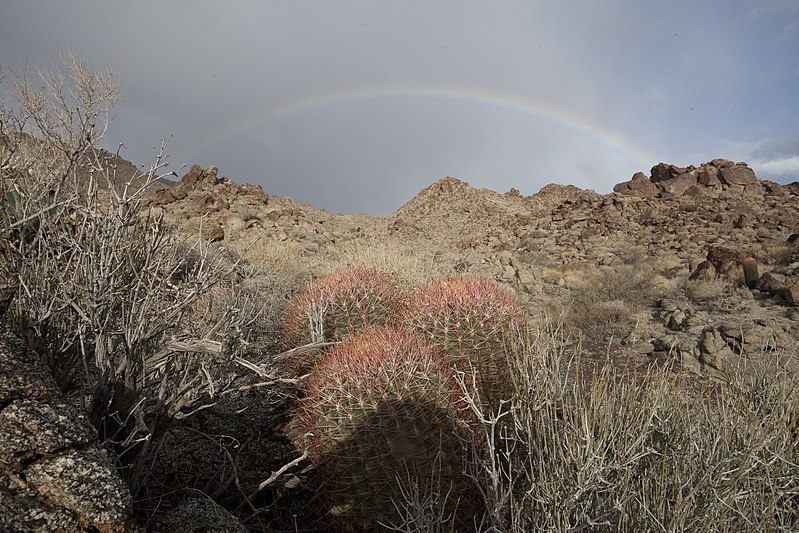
(738, 175)
(54, 476)
(639, 186)
(709, 176)
(723, 258)
(771, 283)
(679, 184)
(661, 172)
(704, 271)
(791, 294)
(721, 163)
(86, 483)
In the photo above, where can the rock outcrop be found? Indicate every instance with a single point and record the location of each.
(708, 179)
(54, 476)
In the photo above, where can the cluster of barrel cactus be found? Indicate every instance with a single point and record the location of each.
(382, 413)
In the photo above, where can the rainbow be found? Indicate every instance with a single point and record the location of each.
(476, 97)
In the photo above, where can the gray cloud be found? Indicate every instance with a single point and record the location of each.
(624, 86)
(777, 158)
(778, 148)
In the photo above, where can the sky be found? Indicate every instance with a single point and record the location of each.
(355, 106)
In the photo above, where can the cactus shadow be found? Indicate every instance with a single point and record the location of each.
(406, 463)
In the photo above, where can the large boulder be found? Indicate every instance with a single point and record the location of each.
(678, 185)
(738, 175)
(661, 172)
(54, 476)
(639, 185)
(709, 176)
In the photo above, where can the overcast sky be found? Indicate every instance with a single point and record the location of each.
(355, 106)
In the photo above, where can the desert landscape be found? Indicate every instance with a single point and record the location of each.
(184, 352)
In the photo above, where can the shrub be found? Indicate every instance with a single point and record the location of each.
(380, 423)
(107, 292)
(605, 300)
(613, 451)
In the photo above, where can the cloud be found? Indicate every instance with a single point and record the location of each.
(775, 158)
(778, 168)
(784, 147)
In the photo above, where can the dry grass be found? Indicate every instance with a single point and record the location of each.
(287, 260)
(605, 300)
(408, 267)
(703, 291)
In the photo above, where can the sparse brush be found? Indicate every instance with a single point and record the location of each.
(336, 305)
(475, 322)
(407, 266)
(615, 451)
(604, 300)
(381, 422)
(107, 291)
(704, 291)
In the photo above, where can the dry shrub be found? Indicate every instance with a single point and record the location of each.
(286, 261)
(610, 451)
(706, 290)
(140, 326)
(606, 299)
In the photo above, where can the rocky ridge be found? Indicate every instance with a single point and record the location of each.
(682, 221)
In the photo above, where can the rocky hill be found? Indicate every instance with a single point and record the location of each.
(549, 245)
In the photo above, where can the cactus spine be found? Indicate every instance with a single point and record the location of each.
(476, 323)
(339, 304)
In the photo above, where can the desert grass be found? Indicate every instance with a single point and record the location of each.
(408, 267)
(287, 260)
(604, 301)
(706, 291)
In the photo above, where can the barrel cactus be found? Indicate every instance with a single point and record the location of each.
(382, 419)
(339, 304)
(476, 323)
